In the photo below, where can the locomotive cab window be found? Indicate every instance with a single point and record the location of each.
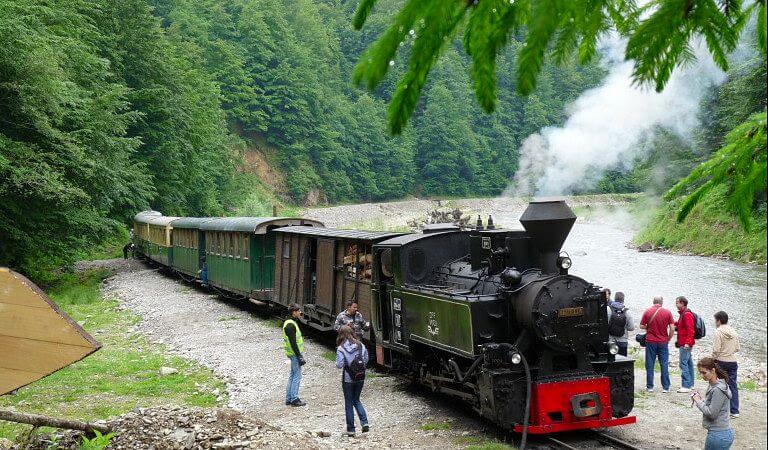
(385, 261)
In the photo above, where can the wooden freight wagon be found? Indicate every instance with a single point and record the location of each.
(240, 253)
(188, 242)
(322, 268)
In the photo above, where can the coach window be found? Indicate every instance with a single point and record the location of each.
(246, 247)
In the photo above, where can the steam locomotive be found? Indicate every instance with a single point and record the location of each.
(489, 316)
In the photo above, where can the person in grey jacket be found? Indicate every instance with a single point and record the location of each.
(715, 406)
(348, 347)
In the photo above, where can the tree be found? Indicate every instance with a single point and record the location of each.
(657, 43)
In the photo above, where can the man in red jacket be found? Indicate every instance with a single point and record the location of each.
(685, 330)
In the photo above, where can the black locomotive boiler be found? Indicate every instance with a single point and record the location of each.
(490, 316)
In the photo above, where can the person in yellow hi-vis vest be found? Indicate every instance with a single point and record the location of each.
(294, 350)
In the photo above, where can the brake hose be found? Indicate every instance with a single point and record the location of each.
(527, 401)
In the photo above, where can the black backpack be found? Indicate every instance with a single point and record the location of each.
(699, 327)
(618, 322)
(356, 368)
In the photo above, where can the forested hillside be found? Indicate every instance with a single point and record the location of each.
(112, 106)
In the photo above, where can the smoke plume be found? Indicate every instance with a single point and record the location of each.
(607, 124)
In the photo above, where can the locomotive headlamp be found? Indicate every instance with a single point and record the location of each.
(516, 358)
(564, 262)
(613, 348)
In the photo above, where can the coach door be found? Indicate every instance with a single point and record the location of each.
(325, 264)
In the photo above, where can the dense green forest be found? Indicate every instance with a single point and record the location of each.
(109, 107)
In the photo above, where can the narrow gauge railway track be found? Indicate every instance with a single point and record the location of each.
(577, 441)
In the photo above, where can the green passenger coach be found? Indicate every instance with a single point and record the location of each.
(158, 246)
(240, 252)
(188, 244)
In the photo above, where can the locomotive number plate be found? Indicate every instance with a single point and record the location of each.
(570, 312)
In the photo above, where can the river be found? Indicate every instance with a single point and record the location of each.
(598, 247)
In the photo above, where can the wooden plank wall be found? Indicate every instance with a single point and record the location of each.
(36, 337)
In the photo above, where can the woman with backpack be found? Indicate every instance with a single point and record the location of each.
(715, 405)
(352, 357)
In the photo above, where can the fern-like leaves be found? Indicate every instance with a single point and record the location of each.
(486, 33)
(740, 164)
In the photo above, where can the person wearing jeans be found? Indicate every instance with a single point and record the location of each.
(685, 331)
(294, 350)
(724, 349)
(348, 349)
(652, 351)
(658, 323)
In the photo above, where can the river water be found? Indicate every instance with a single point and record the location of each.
(600, 254)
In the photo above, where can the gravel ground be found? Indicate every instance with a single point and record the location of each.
(244, 346)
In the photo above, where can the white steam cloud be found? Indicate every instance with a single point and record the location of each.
(606, 125)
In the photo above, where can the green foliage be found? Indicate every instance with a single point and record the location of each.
(740, 165)
(710, 229)
(103, 115)
(659, 36)
(436, 426)
(97, 442)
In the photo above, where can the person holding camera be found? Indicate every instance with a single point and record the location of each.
(294, 350)
(352, 317)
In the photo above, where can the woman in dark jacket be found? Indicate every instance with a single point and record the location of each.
(347, 349)
(715, 406)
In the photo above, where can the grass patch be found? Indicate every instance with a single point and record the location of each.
(749, 385)
(468, 440)
(227, 318)
(436, 426)
(122, 375)
(330, 355)
(710, 230)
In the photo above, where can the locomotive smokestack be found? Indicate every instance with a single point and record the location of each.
(479, 225)
(490, 223)
(548, 222)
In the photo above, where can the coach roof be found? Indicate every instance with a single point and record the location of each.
(339, 234)
(161, 221)
(256, 225)
(190, 222)
(145, 215)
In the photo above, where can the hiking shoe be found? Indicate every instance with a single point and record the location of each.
(733, 416)
(683, 390)
(649, 390)
(366, 428)
(665, 391)
(298, 402)
(287, 403)
(350, 434)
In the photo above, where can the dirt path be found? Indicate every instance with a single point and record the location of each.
(246, 348)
